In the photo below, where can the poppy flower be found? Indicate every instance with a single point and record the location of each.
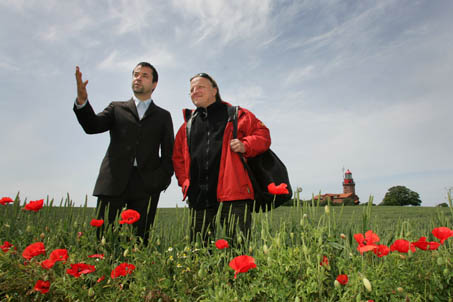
(129, 216)
(421, 243)
(97, 222)
(442, 233)
(80, 268)
(277, 190)
(367, 242)
(402, 246)
(100, 279)
(5, 200)
(59, 255)
(6, 246)
(242, 264)
(433, 245)
(34, 206)
(343, 279)
(381, 250)
(42, 286)
(324, 261)
(221, 244)
(122, 270)
(47, 264)
(100, 256)
(34, 250)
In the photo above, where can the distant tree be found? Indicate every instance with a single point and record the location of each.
(443, 205)
(401, 196)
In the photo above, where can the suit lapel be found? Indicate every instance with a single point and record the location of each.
(150, 109)
(130, 105)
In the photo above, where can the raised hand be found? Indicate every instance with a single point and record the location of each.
(82, 94)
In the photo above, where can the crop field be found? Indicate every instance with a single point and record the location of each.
(301, 253)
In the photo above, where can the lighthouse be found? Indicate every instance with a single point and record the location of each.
(348, 183)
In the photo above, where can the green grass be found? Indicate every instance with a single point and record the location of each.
(287, 243)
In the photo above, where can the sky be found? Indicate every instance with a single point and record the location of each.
(358, 85)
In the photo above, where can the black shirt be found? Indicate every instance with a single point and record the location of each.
(206, 138)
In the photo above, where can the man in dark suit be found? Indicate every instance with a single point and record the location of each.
(133, 173)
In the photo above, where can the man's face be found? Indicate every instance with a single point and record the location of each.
(201, 92)
(142, 81)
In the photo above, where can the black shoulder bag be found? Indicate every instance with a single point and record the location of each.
(263, 169)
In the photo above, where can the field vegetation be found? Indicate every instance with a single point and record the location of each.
(306, 252)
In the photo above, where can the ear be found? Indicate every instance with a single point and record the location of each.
(154, 85)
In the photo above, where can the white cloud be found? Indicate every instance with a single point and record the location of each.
(132, 16)
(298, 75)
(120, 61)
(227, 21)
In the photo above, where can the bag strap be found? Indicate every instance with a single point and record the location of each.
(189, 115)
(233, 116)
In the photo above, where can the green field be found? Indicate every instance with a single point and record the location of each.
(288, 245)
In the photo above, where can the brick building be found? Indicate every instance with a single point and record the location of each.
(348, 192)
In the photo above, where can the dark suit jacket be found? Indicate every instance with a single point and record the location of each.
(131, 138)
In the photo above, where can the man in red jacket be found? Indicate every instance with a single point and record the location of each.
(207, 163)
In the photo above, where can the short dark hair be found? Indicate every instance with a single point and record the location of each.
(146, 64)
(213, 83)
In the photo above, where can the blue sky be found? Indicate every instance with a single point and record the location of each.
(360, 85)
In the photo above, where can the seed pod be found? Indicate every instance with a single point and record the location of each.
(265, 249)
(367, 284)
(90, 292)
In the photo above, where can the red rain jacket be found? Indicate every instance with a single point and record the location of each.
(234, 182)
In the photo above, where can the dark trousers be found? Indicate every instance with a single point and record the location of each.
(232, 215)
(134, 197)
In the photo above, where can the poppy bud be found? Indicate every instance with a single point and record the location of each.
(239, 239)
(446, 272)
(126, 251)
(440, 261)
(291, 235)
(90, 292)
(265, 249)
(250, 250)
(42, 236)
(201, 273)
(158, 242)
(327, 209)
(367, 284)
(297, 299)
(103, 240)
(28, 229)
(336, 284)
(342, 236)
(400, 289)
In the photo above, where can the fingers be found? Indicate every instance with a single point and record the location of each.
(82, 94)
(237, 146)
